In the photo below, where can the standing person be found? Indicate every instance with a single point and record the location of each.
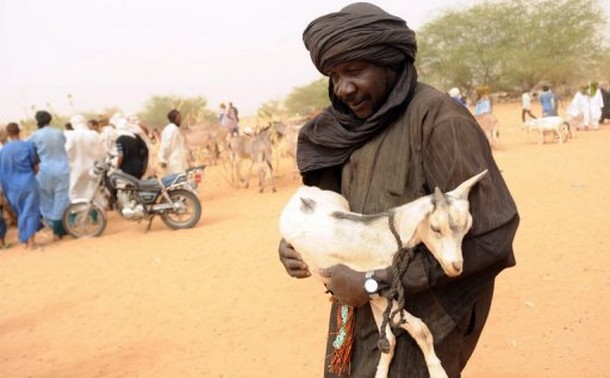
(230, 120)
(483, 102)
(526, 106)
(94, 124)
(221, 112)
(386, 140)
(578, 110)
(18, 167)
(173, 154)
(84, 147)
(596, 103)
(132, 150)
(53, 173)
(547, 101)
(457, 96)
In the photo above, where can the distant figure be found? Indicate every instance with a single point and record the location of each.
(94, 125)
(483, 103)
(526, 106)
(548, 101)
(18, 167)
(230, 119)
(457, 96)
(84, 147)
(578, 110)
(221, 112)
(53, 173)
(172, 153)
(596, 103)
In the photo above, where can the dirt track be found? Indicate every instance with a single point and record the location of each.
(214, 301)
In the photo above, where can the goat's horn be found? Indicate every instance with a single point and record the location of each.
(438, 196)
(464, 188)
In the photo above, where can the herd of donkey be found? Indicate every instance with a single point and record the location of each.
(212, 144)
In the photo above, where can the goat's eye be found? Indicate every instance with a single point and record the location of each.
(435, 229)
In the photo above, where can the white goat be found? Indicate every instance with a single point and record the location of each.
(556, 126)
(319, 225)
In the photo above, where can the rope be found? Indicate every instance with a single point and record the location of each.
(400, 263)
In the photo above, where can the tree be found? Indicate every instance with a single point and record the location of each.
(309, 98)
(193, 110)
(514, 44)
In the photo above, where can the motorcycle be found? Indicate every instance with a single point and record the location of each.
(173, 198)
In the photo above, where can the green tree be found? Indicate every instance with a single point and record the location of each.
(309, 98)
(193, 110)
(514, 44)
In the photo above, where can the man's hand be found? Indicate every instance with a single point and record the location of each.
(346, 285)
(294, 264)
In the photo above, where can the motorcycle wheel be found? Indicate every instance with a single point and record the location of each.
(188, 213)
(84, 219)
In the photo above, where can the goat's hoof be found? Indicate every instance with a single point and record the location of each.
(384, 346)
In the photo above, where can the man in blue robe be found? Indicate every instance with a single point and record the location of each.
(18, 167)
(54, 173)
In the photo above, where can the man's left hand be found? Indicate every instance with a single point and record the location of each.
(346, 285)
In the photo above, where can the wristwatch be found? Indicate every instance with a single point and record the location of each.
(371, 286)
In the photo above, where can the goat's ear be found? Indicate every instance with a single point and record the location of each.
(464, 188)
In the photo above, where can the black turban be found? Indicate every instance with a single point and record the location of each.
(360, 31)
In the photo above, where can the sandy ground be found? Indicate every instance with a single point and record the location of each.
(214, 301)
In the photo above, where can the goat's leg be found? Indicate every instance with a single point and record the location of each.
(248, 175)
(261, 178)
(270, 171)
(424, 339)
(383, 367)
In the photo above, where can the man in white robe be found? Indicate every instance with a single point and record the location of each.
(173, 154)
(596, 103)
(84, 148)
(578, 110)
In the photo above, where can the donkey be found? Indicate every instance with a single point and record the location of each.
(320, 226)
(258, 150)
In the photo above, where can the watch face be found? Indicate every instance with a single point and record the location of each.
(371, 286)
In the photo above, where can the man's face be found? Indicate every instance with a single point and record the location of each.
(362, 86)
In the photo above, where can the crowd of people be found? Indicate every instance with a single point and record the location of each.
(585, 109)
(40, 175)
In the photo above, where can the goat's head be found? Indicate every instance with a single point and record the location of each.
(443, 230)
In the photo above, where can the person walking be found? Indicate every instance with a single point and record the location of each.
(388, 139)
(526, 106)
(54, 172)
(18, 167)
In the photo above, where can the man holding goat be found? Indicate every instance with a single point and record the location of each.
(388, 139)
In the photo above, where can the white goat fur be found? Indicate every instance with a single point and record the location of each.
(556, 126)
(309, 223)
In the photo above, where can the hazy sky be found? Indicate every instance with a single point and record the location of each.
(122, 52)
